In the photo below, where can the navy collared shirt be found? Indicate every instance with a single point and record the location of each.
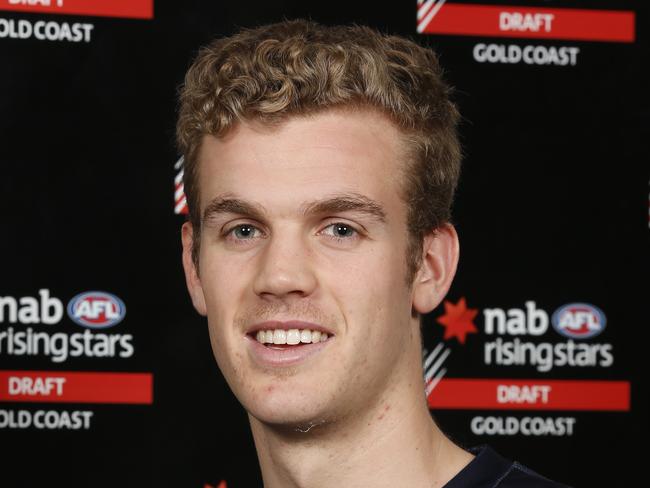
(490, 470)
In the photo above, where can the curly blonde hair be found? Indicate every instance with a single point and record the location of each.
(298, 67)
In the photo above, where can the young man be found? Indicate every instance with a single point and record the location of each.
(320, 166)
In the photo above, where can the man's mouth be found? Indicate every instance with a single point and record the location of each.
(277, 343)
(281, 338)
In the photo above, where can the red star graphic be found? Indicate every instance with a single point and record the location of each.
(457, 320)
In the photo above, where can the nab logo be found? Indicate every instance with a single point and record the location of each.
(579, 320)
(96, 309)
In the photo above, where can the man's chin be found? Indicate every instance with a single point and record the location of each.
(290, 426)
(284, 415)
(291, 404)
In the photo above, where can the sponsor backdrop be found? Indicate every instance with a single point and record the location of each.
(106, 373)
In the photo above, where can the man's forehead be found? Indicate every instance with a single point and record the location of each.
(348, 128)
(332, 159)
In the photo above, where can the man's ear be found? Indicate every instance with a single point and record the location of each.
(191, 275)
(439, 260)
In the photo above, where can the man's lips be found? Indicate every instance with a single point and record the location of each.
(284, 343)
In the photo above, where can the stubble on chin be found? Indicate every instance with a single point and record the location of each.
(302, 431)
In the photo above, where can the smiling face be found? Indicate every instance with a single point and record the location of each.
(304, 230)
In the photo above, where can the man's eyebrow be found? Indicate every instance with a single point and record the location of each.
(233, 205)
(346, 202)
(338, 203)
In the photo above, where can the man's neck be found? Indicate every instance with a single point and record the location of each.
(396, 443)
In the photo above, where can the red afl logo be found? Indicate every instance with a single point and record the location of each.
(96, 309)
(579, 320)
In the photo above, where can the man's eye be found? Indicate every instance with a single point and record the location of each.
(340, 231)
(243, 232)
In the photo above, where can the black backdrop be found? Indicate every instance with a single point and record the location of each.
(551, 209)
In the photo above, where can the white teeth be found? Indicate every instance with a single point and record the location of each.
(305, 336)
(293, 336)
(279, 336)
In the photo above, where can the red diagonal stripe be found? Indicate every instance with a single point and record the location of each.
(428, 9)
(534, 394)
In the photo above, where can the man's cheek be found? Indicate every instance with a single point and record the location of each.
(225, 357)
(366, 310)
(227, 290)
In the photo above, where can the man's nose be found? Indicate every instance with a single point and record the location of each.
(285, 268)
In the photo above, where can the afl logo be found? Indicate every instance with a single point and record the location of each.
(96, 309)
(579, 320)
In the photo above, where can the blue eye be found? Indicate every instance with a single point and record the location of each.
(341, 231)
(243, 232)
